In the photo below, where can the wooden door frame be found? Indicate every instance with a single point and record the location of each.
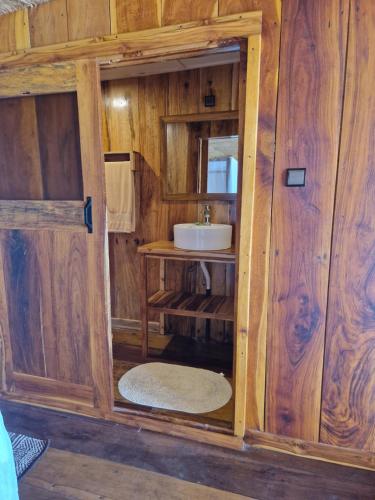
(159, 44)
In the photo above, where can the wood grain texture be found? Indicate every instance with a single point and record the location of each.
(19, 145)
(23, 284)
(348, 405)
(195, 305)
(195, 35)
(308, 130)
(166, 249)
(59, 147)
(98, 305)
(136, 15)
(7, 33)
(252, 471)
(48, 23)
(88, 19)
(245, 243)
(85, 476)
(179, 11)
(356, 458)
(39, 79)
(37, 215)
(271, 11)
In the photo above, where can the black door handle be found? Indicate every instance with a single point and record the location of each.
(87, 212)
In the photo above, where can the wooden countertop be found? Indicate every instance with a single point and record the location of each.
(166, 249)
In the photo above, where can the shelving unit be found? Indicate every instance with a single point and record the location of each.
(180, 303)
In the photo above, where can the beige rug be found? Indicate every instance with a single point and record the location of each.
(174, 387)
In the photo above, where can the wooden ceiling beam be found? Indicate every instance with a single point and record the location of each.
(138, 45)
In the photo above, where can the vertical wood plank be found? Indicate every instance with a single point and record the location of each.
(88, 18)
(89, 110)
(180, 11)
(23, 287)
(245, 243)
(309, 111)
(348, 403)
(22, 29)
(48, 23)
(19, 145)
(269, 68)
(60, 154)
(7, 33)
(217, 80)
(70, 304)
(134, 15)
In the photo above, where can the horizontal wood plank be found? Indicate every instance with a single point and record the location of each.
(201, 117)
(193, 304)
(195, 35)
(167, 249)
(308, 449)
(26, 385)
(35, 80)
(36, 215)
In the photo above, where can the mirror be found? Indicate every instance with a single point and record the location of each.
(199, 156)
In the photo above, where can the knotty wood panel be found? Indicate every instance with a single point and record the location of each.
(134, 15)
(7, 33)
(180, 11)
(19, 147)
(310, 101)
(48, 23)
(45, 280)
(23, 283)
(70, 300)
(60, 152)
(87, 18)
(348, 405)
(36, 215)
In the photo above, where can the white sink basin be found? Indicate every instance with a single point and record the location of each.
(202, 237)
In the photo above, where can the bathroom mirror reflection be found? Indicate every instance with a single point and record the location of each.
(200, 156)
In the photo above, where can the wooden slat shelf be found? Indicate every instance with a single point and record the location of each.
(192, 304)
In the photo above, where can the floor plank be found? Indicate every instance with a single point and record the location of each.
(65, 475)
(257, 473)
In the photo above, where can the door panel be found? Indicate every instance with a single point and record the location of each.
(54, 273)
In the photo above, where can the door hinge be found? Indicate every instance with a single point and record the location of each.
(87, 212)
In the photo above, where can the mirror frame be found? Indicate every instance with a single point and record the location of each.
(196, 117)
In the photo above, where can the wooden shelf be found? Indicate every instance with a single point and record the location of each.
(166, 249)
(192, 304)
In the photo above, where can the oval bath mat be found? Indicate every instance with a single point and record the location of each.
(174, 387)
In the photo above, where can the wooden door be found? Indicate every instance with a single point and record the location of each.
(54, 317)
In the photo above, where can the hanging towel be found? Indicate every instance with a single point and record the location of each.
(120, 189)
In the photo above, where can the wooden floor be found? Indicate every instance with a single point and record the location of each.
(127, 355)
(63, 475)
(253, 473)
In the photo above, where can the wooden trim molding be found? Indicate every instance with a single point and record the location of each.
(44, 214)
(308, 449)
(136, 45)
(243, 322)
(41, 79)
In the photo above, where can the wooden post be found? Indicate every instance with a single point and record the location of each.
(144, 305)
(162, 287)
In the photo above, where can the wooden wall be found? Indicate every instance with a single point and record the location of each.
(136, 127)
(313, 302)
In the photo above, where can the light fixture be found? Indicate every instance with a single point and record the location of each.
(119, 102)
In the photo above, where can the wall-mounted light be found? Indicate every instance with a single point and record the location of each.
(119, 102)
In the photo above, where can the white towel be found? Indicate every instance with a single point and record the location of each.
(120, 188)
